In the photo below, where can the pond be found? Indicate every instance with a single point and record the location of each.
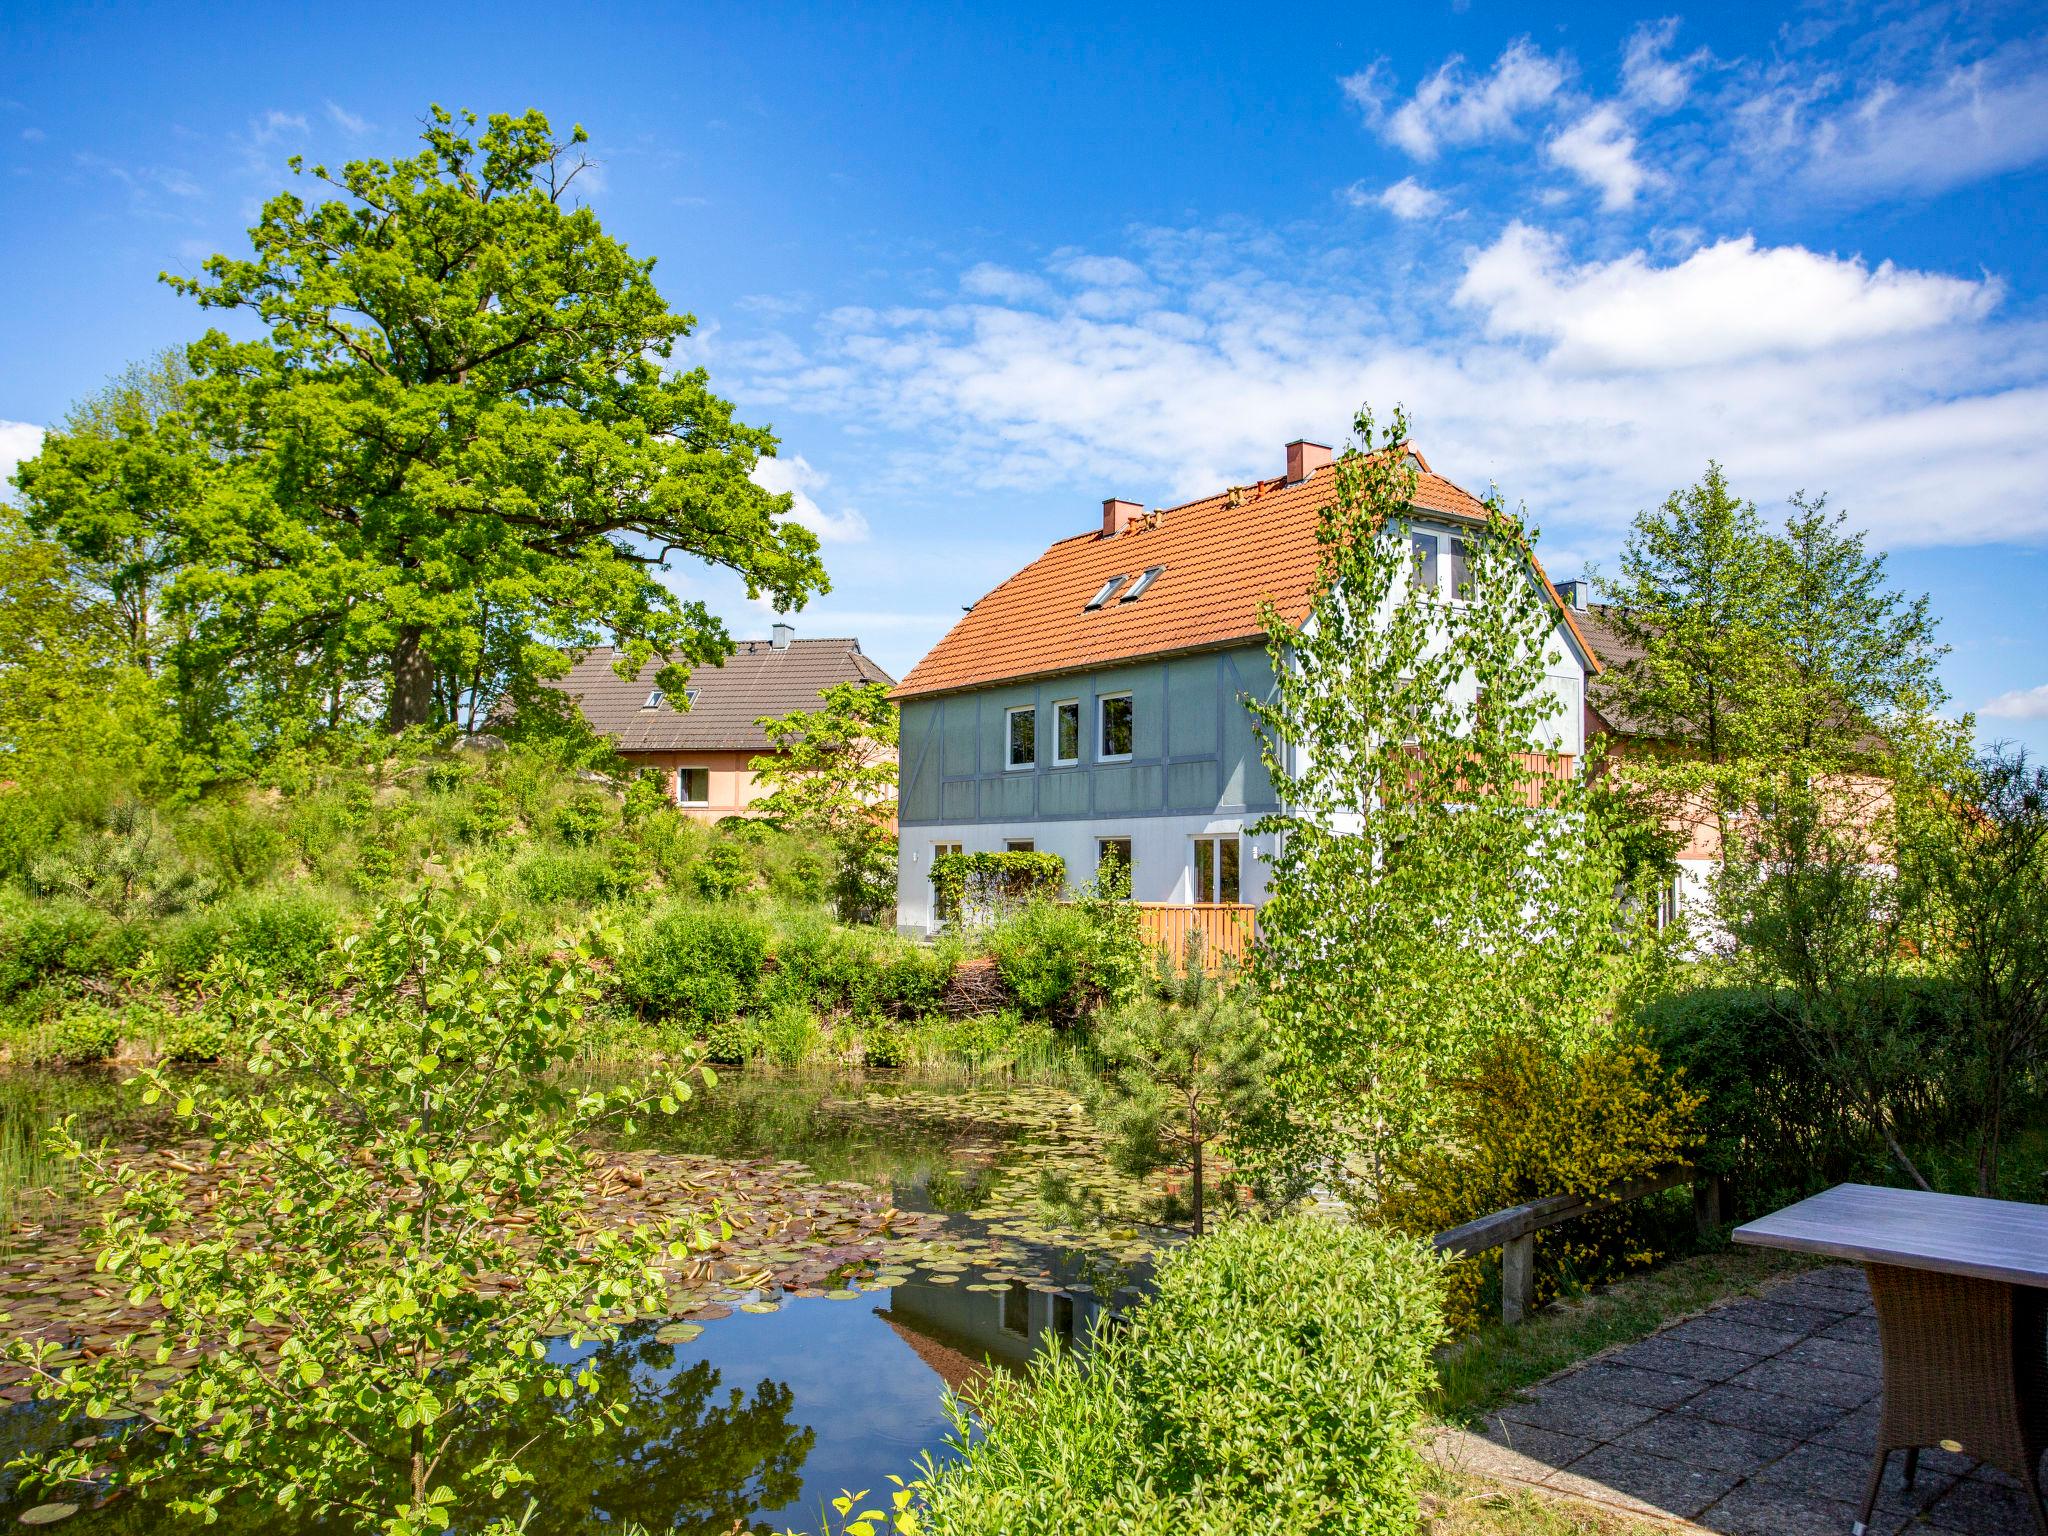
(896, 1238)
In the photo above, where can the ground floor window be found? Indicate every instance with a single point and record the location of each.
(1669, 900)
(1113, 862)
(1216, 869)
(693, 786)
(1019, 845)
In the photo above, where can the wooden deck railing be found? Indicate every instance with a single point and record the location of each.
(1514, 1230)
(1228, 929)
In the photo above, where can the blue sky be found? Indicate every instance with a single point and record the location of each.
(980, 271)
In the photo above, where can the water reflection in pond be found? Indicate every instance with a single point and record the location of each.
(762, 1416)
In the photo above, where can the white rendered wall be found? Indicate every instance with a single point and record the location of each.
(1162, 856)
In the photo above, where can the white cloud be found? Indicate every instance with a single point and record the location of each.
(346, 120)
(2020, 704)
(1723, 303)
(1600, 150)
(274, 125)
(1969, 123)
(1405, 199)
(1588, 388)
(986, 280)
(18, 440)
(801, 480)
(1649, 78)
(1451, 107)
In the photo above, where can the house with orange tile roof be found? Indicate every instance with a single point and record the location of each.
(1092, 705)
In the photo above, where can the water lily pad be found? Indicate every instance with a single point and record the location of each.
(677, 1333)
(842, 1295)
(48, 1514)
(760, 1306)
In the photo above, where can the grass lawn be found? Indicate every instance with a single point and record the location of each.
(1481, 1369)
(1453, 1506)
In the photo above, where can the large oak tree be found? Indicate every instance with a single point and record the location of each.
(451, 447)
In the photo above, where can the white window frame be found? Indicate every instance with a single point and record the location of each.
(1102, 752)
(683, 768)
(939, 851)
(1010, 763)
(1447, 555)
(1130, 864)
(1057, 706)
(654, 699)
(1020, 845)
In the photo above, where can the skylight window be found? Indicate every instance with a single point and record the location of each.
(1151, 574)
(654, 700)
(1102, 596)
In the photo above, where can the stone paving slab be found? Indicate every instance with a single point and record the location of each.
(1754, 1419)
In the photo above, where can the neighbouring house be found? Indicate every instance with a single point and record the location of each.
(1093, 704)
(705, 744)
(1697, 827)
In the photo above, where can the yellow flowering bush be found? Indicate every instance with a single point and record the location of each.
(1530, 1119)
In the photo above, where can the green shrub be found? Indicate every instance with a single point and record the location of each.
(731, 1042)
(197, 1036)
(284, 934)
(242, 844)
(585, 816)
(912, 981)
(584, 876)
(700, 966)
(49, 939)
(976, 888)
(187, 946)
(84, 1036)
(1528, 1120)
(1046, 957)
(789, 1035)
(1275, 1384)
(883, 1044)
(645, 797)
(722, 873)
(484, 815)
(1772, 1122)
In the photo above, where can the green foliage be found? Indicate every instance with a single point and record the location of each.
(345, 1379)
(883, 1044)
(1064, 960)
(699, 965)
(63, 938)
(578, 876)
(971, 889)
(129, 866)
(444, 455)
(283, 934)
(722, 873)
(1427, 892)
(1531, 1120)
(83, 1036)
(1182, 1071)
(585, 816)
(484, 816)
(241, 844)
(832, 777)
(1273, 1385)
(1770, 1120)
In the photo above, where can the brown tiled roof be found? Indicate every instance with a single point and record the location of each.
(1222, 555)
(1613, 651)
(755, 680)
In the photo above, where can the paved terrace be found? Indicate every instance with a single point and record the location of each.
(1754, 1419)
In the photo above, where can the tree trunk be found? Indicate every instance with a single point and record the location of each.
(1198, 1189)
(412, 683)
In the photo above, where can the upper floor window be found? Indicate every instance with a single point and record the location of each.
(1144, 581)
(1423, 548)
(1021, 725)
(1114, 725)
(654, 700)
(1461, 570)
(1066, 733)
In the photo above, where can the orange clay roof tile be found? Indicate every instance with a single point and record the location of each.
(1222, 555)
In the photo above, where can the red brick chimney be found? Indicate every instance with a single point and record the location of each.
(1304, 458)
(1119, 515)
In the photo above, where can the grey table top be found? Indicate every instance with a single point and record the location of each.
(1913, 1229)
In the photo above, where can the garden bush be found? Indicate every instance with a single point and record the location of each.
(912, 981)
(699, 965)
(284, 934)
(723, 872)
(83, 1036)
(241, 844)
(584, 816)
(48, 939)
(584, 876)
(1061, 961)
(1773, 1121)
(1528, 1120)
(1274, 1384)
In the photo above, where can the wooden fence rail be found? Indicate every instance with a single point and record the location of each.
(1228, 929)
(1514, 1230)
